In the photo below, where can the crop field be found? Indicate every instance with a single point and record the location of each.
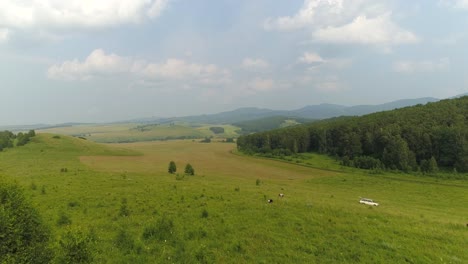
(119, 133)
(135, 211)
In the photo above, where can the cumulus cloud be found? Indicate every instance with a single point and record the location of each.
(96, 64)
(58, 15)
(177, 69)
(351, 21)
(362, 30)
(425, 66)
(311, 58)
(463, 4)
(99, 64)
(255, 64)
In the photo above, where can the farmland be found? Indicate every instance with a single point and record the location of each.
(121, 194)
(131, 132)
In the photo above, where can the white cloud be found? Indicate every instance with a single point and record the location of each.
(58, 15)
(311, 58)
(99, 64)
(261, 85)
(4, 34)
(176, 69)
(255, 64)
(379, 30)
(308, 15)
(463, 4)
(351, 21)
(96, 64)
(425, 66)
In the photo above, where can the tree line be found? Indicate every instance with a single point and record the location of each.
(421, 137)
(8, 139)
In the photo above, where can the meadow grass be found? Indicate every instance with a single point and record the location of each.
(137, 212)
(119, 133)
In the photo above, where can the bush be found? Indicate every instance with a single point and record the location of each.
(204, 213)
(125, 242)
(160, 230)
(189, 169)
(172, 167)
(23, 236)
(75, 247)
(217, 130)
(123, 208)
(206, 140)
(366, 162)
(63, 219)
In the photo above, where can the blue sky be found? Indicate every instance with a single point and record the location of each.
(109, 60)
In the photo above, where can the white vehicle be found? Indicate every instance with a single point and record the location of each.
(368, 202)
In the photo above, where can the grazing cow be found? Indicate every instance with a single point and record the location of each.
(270, 200)
(281, 195)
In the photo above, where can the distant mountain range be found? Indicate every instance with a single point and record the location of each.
(312, 112)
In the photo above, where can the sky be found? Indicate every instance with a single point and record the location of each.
(110, 60)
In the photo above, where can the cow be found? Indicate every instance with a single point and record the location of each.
(281, 195)
(270, 200)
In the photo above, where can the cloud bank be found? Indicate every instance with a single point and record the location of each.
(101, 65)
(349, 22)
(56, 16)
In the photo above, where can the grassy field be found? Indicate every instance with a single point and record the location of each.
(123, 196)
(119, 133)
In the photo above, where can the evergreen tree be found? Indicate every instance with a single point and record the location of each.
(189, 169)
(172, 167)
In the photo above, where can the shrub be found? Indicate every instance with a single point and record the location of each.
(172, 167)
(189, 169)
(124, 241)
(23, 236)
(204, 213)
(63, 219)
(160, 230)
(123, 208)
(75, 247)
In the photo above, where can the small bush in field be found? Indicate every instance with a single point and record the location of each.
(160, 230)
(75, 247)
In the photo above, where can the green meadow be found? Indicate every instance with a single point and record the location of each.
(130, 132)
(123, 198)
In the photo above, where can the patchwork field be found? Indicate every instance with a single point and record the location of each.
(123, 197)
(120, 133)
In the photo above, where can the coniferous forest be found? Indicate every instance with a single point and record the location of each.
(421, 137)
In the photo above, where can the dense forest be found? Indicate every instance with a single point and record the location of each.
(422, 137)
(269, 123)
(8, 139)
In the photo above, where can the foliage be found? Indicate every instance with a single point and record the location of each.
(318, 221)
(76, 247)
(172, 167)
(124, 208)
(217, 130)
(24, 238)
(7, 138)
(206, 140)
(269, 123)
(189, 169)
(401, 139)
(161, 230)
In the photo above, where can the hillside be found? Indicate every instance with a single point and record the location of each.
(312, 112)
(120, 205)
(269, 123)
(421, 137)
